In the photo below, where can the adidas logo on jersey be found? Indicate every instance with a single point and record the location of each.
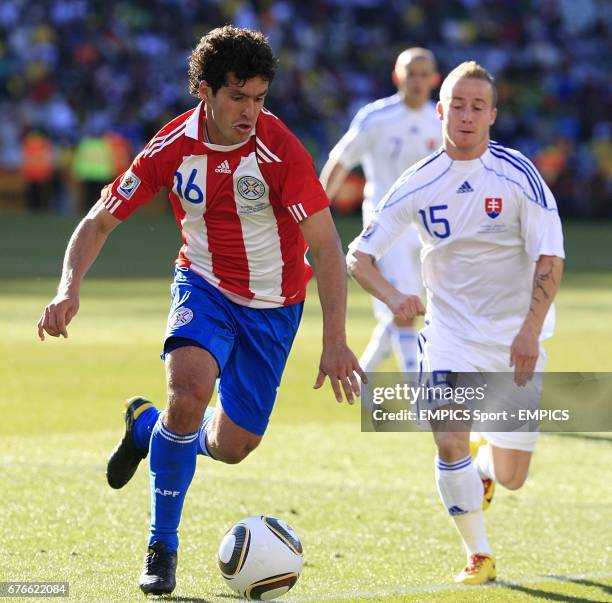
(465, 188)
(223, 168)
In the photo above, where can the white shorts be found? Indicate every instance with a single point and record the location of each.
(401, 266)
(443, 352)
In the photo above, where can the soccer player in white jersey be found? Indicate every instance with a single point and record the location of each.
(492, 263)
(385, 138)
(247, 200)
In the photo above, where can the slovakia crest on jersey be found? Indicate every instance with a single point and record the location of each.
(493, 206)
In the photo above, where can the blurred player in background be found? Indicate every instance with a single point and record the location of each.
(492, 263)
(386, 137)
(247, 200)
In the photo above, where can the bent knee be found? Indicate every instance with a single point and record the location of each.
(513, 481)
(187, 391)
(186, 405)
(234, 454)
(450, 447)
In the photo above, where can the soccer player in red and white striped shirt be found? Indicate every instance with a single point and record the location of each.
(248, 204)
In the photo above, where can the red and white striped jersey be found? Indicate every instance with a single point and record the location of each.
(238, 207)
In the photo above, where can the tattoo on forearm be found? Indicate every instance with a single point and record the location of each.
(544, 285)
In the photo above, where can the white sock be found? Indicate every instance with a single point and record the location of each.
(405, 346)
(472, 531)
(461, 491)
(484, 463)
(378, 348)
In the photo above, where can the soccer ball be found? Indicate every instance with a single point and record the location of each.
(261, 558)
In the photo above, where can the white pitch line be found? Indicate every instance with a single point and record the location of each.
(436, 588)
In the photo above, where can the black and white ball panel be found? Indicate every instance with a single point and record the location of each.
(284, 533)
(234, 550)
(271, 587)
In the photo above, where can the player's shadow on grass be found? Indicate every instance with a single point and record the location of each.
(605, 587)
(552, 596)
(200, 600)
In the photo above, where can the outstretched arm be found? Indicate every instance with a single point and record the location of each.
(337, 360)
(526, 345)
(83, 248)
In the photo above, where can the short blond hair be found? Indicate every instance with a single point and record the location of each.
(471, 70)
(412, 54)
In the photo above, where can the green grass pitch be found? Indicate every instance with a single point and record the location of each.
(364, 505)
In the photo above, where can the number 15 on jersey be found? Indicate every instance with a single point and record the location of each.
(433, 221)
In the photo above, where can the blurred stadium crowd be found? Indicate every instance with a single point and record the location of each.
(85, 83)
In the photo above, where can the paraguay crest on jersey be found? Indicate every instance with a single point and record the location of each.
(180, 317)
(493, 206)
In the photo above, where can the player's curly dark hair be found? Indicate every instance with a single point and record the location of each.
(228, 49)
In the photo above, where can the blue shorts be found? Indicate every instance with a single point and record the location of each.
(250, 345)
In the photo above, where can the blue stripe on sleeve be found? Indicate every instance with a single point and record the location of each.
(366, 113)
(529, 196)
(387, 201)
(524, 166)
(527, 164)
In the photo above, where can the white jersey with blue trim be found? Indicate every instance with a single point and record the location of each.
(386, 137)
(483, 224)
